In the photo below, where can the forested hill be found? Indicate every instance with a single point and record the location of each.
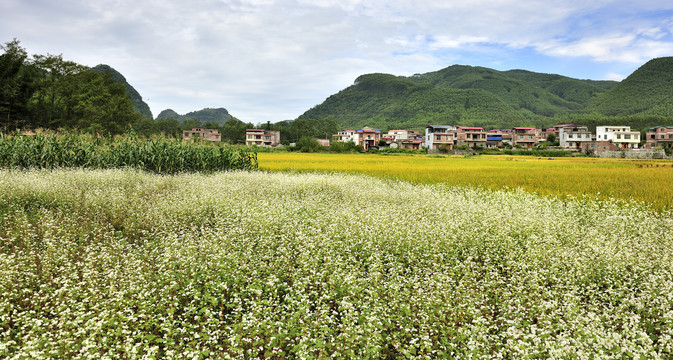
(138, 104)
(646, 92)
(467, 95)
(388, 101)
(530, 93)
(219, 115)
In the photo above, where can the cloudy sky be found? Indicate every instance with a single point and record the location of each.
(271, 60)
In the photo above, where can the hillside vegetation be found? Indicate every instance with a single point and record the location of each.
(648, 92)
(138, 104)
(383, 100)
(218, 116)
(478, 96)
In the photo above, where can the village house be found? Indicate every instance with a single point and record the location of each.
(470, 136)
(323, 142)
(572, 136)
(505, 135)
(526, 137)
(206, 134)
(399, 135)
(367, 137)
(494, 139)
(621, 136)
(412, 144)
(437, 136)
(261, 137)
(591, 146)
(390, 140)
(659, 136)
(344, 136)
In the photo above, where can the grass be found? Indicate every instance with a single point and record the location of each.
(646, 181)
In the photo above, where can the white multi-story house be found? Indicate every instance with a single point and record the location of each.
(261, 137)
(438, 135)
(620, 136)
(572, 136)
(344, 136)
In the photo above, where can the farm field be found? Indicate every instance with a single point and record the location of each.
(646, 181)
(126, 264)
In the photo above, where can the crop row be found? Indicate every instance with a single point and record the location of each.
(158, 155)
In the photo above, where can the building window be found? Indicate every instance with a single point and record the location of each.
(627, 137)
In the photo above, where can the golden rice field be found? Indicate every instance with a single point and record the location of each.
(647, 181)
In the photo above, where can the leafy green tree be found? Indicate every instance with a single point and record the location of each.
(551, 140)
(16, 84)
(56, 85)
(98, 102)
(190, 124)
(308, 144)
(170, 127)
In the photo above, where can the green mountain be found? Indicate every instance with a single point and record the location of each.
(646, 92)
(532, 94)
(138, 104)
(467, 95)
(388, 101)
(581, 92)
(219, 116)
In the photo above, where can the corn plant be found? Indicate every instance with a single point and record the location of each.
(158, 155)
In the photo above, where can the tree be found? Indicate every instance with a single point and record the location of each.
(56, 85)
(308, 144)
(170, 127)
(99, 102)
(16, 83)
(551, 139)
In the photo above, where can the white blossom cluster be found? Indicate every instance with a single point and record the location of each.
(122, 265)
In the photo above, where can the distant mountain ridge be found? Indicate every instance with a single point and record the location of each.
(138, 104)
(467, 95)
(218, 115)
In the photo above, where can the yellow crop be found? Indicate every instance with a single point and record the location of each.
(648, 181)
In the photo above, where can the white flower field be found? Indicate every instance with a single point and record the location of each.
(121, 264)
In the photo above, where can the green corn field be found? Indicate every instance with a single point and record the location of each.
(157, 155)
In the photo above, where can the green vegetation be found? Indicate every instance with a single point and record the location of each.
(646, 92)
(158, 155)
(138, 104)
(49, 92)
(218, 116)
(519, 94)
(124, 264)
(477, 96)
(387, 101)
(580, 92)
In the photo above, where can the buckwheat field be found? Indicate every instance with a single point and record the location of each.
(122, 264)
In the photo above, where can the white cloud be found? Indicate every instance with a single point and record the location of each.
(273, 59)
(614, 77)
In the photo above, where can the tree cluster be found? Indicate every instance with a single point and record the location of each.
(46, 91)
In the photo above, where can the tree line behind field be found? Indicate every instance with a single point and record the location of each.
(47, 91)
